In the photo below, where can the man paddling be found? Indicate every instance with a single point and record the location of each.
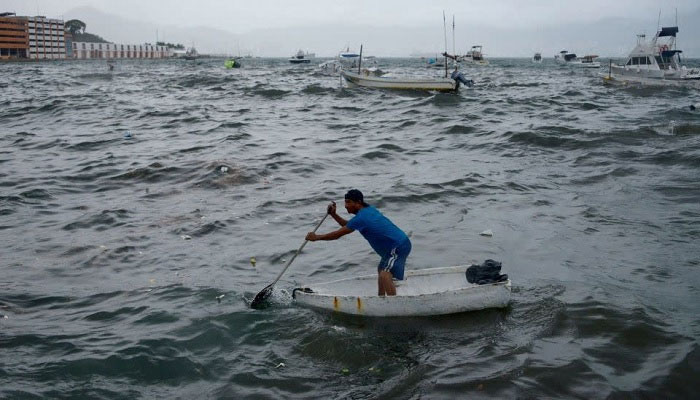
(390, 242)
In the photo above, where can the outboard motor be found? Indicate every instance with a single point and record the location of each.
(460, 78)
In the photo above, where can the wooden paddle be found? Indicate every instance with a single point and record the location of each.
(260, 301)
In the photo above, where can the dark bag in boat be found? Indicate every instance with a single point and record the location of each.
(487, 272)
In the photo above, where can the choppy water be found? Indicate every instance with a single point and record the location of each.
(591, 191)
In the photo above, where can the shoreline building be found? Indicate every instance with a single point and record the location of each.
(41, 38)
(34, 38)
(47, 38)
(105, 51)
(14, 37)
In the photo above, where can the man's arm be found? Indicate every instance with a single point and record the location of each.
(340, 220)
(330, 235)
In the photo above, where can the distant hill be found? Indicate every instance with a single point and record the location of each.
(88, 37)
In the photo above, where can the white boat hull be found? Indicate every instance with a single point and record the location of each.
(643, 74)
(483, 63)
(435, 291)
(594, 64)
(442, 85)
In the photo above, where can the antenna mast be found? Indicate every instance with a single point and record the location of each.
(444, 27)
(454, 49)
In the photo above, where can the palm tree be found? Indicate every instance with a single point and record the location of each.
(75, 25)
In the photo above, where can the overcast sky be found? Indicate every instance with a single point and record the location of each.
(242, 17)
(239, 16)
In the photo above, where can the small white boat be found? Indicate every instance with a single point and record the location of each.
(366, 80)
(191, 54)
(565, 57)
(571, 59)
(302, 58)
(434, 291)
(655, 62)
(475, 56)
(347, 54)
(587, 61)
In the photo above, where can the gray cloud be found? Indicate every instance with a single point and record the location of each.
(277, 28)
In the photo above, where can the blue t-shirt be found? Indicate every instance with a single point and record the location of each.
(381, 233)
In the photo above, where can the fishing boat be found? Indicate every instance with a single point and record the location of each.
(571, 59)
(233, 62)
(475, 56)
(426, 292)
(565, 57)
(657, 61)
(435, 63)
(587, 61)
(302, 58)
(191, 54)
(367, 80)
(537, 58)
(348, 54)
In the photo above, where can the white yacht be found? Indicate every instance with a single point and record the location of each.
(475, 56)
(573, 60)
(302, 58)
(564, 56)
(657, 61)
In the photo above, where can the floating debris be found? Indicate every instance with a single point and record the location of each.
(280, 365)
(186, 237)
(345, 371)
(218, 298)
(224, 169)
(252, 261)
(487, 232)
(127, 135)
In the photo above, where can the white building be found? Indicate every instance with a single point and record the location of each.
(85, 50)
(46, 38)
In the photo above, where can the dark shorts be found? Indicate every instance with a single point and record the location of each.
(395, 261)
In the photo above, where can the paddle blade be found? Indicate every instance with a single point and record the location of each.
(261, 299)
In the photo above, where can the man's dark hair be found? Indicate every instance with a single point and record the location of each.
(356, 195)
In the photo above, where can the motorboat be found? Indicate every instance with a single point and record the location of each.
(425, 292)
(537, 58)
(347, 54)
(572, 59)
(191, 54)
(565, 57)
(233, 62)
(435, 62)
(655, 61)
(475, 56)
(366, 80)
(302, 58)
(588, 61)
